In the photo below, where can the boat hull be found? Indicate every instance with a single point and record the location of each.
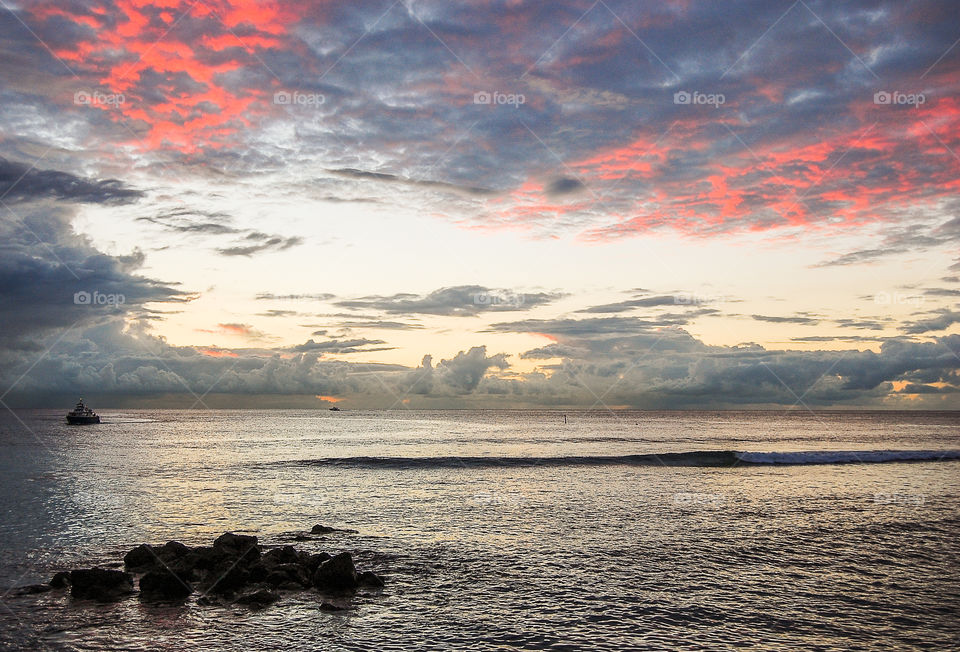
(81, 421)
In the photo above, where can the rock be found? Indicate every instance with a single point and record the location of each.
(100, 584)
(173, 550)
(162, 584)
(325, 529)
(257, 572)
(228, 580)
(312, 562)
(337, 574)
(286, 574)
(329, 606)
(60, 580)
(369, 578)
(205, 558)
(32, 589)
(284, 555)
(237, 546)
(143, 556)
(258, 599)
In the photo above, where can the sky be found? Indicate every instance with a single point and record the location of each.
(503, 204)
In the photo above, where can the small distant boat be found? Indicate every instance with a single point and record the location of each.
(334, 409)
(81, 415)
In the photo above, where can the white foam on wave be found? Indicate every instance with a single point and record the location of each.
(841, 457)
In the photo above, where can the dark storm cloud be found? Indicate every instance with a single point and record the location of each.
(51, 277)
(460, 301)
(23, 182)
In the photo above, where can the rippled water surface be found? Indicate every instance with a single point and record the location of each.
(507, 530)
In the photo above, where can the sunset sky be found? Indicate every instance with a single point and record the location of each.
(480, 204)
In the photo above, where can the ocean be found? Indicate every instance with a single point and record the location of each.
(507, 530)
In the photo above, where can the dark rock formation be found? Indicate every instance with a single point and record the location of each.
(60, 580)
(164, 584)
(143, 556)
(329, 606)
(258, 599)
(326, 529)
(235, 565)
(369, 578)
(337, 574)
(32, 589)
(100, 584)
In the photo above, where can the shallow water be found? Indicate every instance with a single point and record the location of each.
(484, 538)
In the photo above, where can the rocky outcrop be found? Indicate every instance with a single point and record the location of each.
(236, 569)
(164, 584)
(101, 584)
(337, 574)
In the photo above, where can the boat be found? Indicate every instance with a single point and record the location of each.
(334, 409)
(81, 415)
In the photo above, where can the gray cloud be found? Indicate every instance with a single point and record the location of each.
(943, 319)
(645, 302)
(263, 242)
(44, 264)
(562, 186)
(460, 301)
(382, 177)
(803, 321)
(22, 182)
(269, 296)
